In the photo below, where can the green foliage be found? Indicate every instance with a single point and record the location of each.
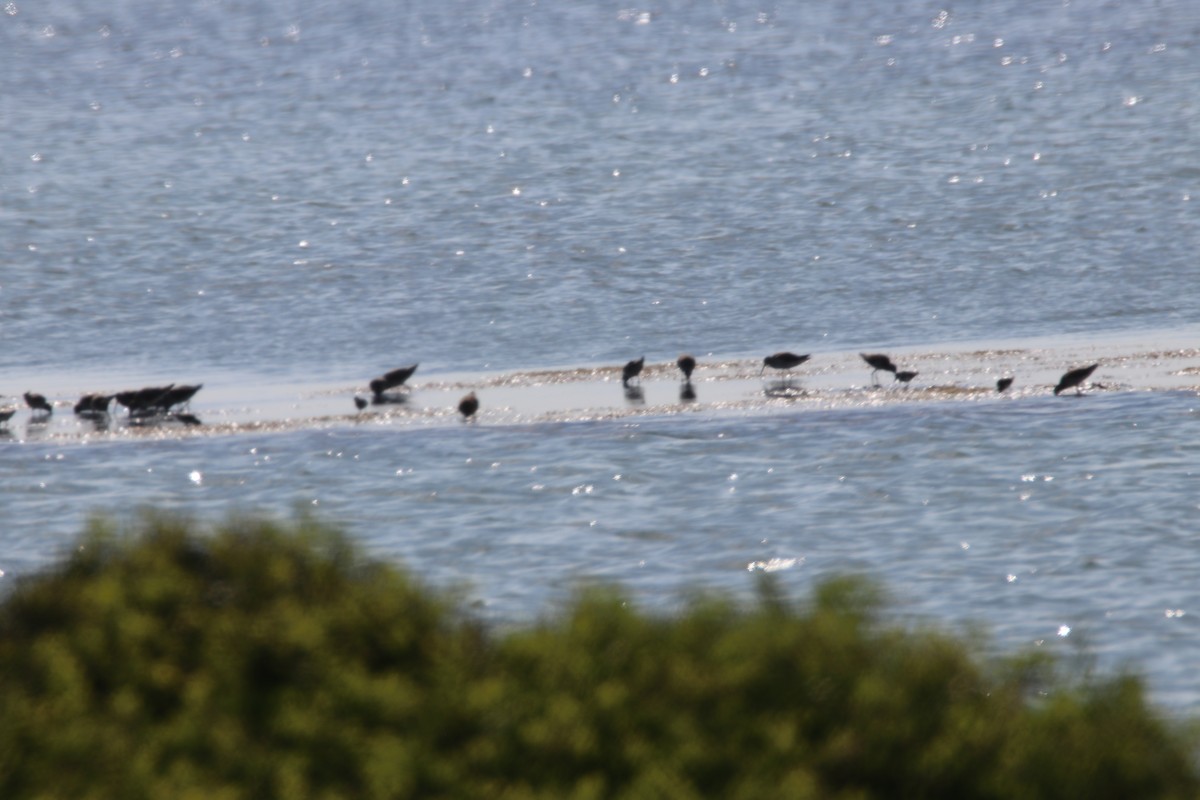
(260, 661)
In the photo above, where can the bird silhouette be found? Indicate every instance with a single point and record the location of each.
(390, 380)
(905, 377)
(1074, 379)
(782, 361)
(1003, 384)
(632, 370)
(93, 404)
(468, 405)
(360, 402)
(6, 414)
(38, 403)
(686, 365)
(878, 361)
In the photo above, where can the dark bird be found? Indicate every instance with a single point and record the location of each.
(177, 396)
(905, 377)
(468, 405)
(92, 404)
(632, 370)
(1074, 379)
(1003, 384)
(686, 365)
(145, 402)
(38, 403)
(784, 361)
(6, 414)
(878, 361)
(390, 380)
(360, 402)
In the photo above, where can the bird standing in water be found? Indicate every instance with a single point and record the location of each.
(360, 402)
(632, 370)
(878, 361)
(1074, 379)
(906, 377)
(468, 406)
(38, 403)
(783, 361)
(1003, 384)
(686, 365)
(390, 380)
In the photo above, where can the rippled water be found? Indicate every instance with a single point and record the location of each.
(294, 193)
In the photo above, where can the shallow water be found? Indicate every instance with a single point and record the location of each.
(283, 200)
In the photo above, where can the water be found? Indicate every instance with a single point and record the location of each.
(268, 195)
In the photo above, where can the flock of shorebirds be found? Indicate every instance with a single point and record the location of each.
(170, 402)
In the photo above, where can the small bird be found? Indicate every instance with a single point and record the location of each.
(468, 405)
(178, 396)
(905, 377)
(1074, 379)
(360, 402)
(878, 361)
(390, 380)
(38, 403)
(784, 361)
(632, 370)
(1003, 384)
(6, 414)
(93, 404)
(686, 365)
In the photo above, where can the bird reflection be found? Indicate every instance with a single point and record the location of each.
(386, 399)
(687, 393)
(635, 395)
(785, 389)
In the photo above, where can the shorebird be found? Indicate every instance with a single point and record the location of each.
(360, 402)
(6, 414)
(784, 361)
(1003, 384)
(905, 377)
(38, 403)
(1074, 378)
(632, 370)
(878, 361)
(468, 405)
(686, 365)
(390, 380)
(93, 404)
(177, 396)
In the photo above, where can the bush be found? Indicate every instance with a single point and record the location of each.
(261, 661)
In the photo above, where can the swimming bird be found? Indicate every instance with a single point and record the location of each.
(686, 365)
(878, 361)
(390, 380)
(360, 402)
(38, 403)
(1003, 384)
(783, 361)
(632, 370)
(1075, 378)
(905, 377)
(468, 405)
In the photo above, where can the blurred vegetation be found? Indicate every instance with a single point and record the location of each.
(270, 661)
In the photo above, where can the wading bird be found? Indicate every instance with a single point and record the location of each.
(360, 402)
(905, 377)
(390, 380)
(782, 361)
(468, 405)
(1003, 384)
(93, 404)
(878, 361)
(1074, 379)
(38, 403)
(632, 370)
(686, 365)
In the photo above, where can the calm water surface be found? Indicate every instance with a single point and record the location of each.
(300, 191)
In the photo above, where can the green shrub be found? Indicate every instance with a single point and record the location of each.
(261, 661)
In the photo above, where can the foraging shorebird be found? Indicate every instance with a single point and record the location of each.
(783, 361)
(390, 380)
(1003, 384)
(1074, 379)
(177, 396)
(468, 405)
(686, 365)
(877, 362)
(905, 377)
(360, 402)
(632, 370)
(93, 404)
(38, 403)
(6, 414)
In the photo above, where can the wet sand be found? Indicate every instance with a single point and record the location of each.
(234, 404)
